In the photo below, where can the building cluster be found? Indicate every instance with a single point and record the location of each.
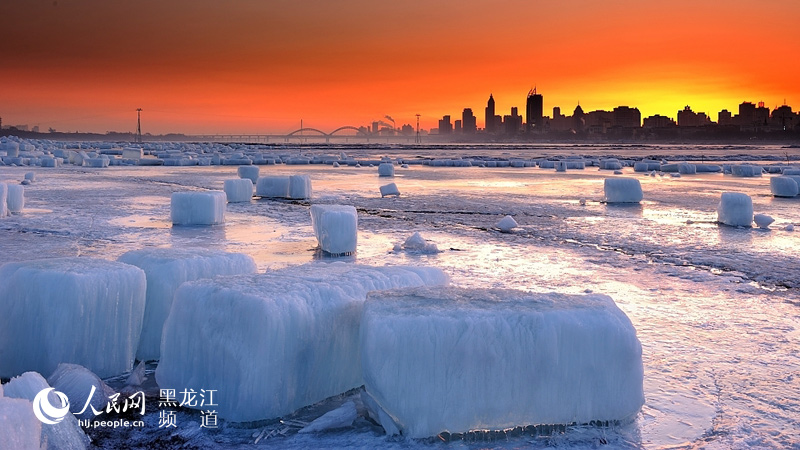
(621, 121)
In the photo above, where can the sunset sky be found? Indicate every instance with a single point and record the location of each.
(260, 66)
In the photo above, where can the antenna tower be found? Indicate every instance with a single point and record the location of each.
(417, 139)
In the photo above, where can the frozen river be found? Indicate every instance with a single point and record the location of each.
(717, 309)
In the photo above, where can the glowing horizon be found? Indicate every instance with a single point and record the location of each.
(247, 66)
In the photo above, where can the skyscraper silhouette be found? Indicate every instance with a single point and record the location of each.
(489, 120)
(534, 111)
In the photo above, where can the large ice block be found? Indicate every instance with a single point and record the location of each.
(166, 269)
(272, 343)
(65, 433)
(19, 428)
(449, 359)
(16, 198)
(389, 189)
(783, 186)
(386, 170)
(273, 187)
(735, 209)
(198, 208)
(249, 172)
(76, 382)
(622, 190)
(746, 170)
(3, 200)
(79, 310)
(239, 190)
(336, 228)
(299, 187)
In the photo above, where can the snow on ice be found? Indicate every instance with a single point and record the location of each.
(417, 244)
(66, 434)
(79, 310)
(336, 228)
(198, 208)
(272, 343)
(451, 359)
(239, 190)
(735, 209)
(622, 190)
(506, 224)
(166, 269)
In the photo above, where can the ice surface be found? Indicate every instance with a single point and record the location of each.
(3, 200)
(30, 176)
(249, 172)
(451, 359)
(622, 190)
(783, 186)
(341, 417)
(418, 244)
(273, 187)
(506, 224)
(79, 310)
(336, 228)
(275, 342)
(386, 170)
(763, 220)
(198, 208)
(746, 170)
(16, 198)
(19, 428)
(66, 434)
(166, 269)
(299, 187)
(735, 209)
(76, 382)
(390, 189)
(239, 190)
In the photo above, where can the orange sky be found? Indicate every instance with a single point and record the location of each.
(260, 66)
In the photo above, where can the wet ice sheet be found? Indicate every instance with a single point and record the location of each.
(717, 309)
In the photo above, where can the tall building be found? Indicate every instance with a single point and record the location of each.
(512, 124)
(578, 121)
(534, 111)
(489, 118)
(658, 121)
(469, 123)
(626, 117)
(724, 117)
(689, 118)
(445, 127)
(747, 114)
